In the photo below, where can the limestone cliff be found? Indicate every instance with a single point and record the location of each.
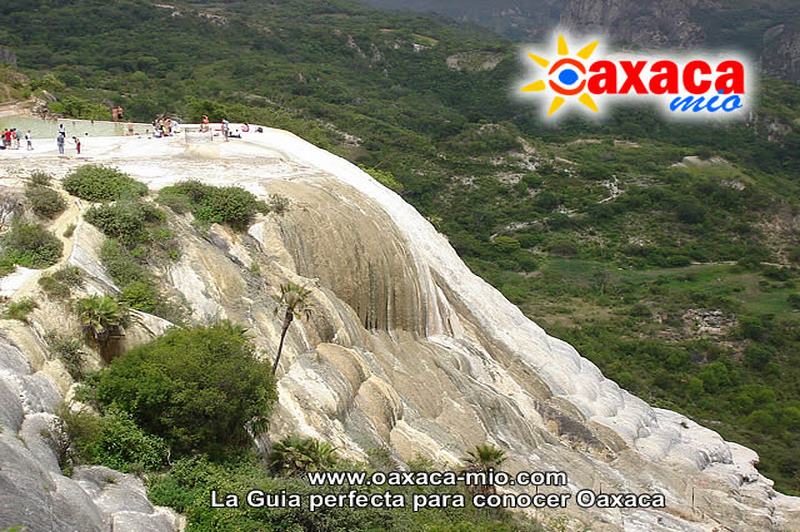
(406, 349)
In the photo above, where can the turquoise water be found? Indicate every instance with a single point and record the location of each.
(49, 128)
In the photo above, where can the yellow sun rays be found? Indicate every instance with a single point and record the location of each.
(562, 48)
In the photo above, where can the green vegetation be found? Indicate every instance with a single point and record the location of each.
(113, 440)
(295, 302)
(45, 202)
(196, 388)
(69, 351)
(19, 310)
(29, 245)
(187, 485)
(59, 284)
(385, 178)
(40, 179)
(296, 456)
(100, 183)
(233, 206)
(102, 318)
(128, 221)
(600, 231)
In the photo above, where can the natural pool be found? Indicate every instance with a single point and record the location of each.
(49, 128)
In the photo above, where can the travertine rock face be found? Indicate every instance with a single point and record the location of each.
(407, 349)
(33, 491)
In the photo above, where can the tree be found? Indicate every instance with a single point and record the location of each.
(294, 299)
(199, 389)
(102, 317)
(485, 458)
(293, 456)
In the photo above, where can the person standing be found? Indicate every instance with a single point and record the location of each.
(29, 140)
(60, 142)
(225, 128)
(62, 130)
(77, 142)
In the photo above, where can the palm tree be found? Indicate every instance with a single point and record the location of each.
(295, 300)
(294, 456)
(485, 458)
(101, 317)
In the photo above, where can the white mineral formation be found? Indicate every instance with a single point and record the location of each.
(406, 349)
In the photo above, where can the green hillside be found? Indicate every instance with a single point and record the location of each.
(668, 254)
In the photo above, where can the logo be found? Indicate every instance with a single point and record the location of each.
(690, 86)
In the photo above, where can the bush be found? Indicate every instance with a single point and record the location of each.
(233, 206)
(140, 295)
(31, 245)
(39, 178)
(19, 310)
(59, 284)
(45, 202)
(121, 265)
(196, 388)
(100, 183)
(691, 212)
(125, 220)
(113, 440)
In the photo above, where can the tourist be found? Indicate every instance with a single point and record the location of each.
(29, 140)
(225, 129)
(204, 124)
(77, 142)
(60, 142)
(14, 139)
(62, 130)
(7, 139)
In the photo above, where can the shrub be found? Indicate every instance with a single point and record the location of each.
(123, 446)
(197, 388)
(69, 231)
(121, 264)
(794, 301)
(277, 204)
(690, 211)
(39, 178)
(69, 351)
(140, 295)
(31, 245)
(125, 220)
(19, 310)
(59, 284)
(53, 288)
(100, 183)
(233, 206)
(113, 440)
(45, 202)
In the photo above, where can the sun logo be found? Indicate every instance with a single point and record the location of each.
(566, 76)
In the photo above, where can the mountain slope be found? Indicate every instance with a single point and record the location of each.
(668, 253)
(419, 355)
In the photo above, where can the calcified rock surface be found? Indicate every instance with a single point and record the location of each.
(407, 349)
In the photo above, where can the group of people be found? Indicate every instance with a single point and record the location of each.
(165, 127)
(11, 139)
(61, 140)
